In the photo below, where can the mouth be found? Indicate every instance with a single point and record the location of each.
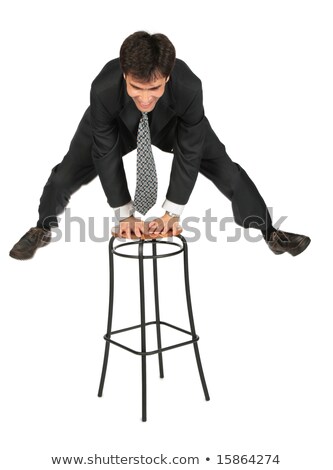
(145, 106)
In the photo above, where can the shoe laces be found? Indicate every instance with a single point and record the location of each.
(33, 233)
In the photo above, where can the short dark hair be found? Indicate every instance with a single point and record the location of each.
(147, 56)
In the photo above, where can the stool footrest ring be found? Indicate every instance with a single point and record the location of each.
(194, 339)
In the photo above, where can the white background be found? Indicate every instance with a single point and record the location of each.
(264, 320)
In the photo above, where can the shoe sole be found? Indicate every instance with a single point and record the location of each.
(301, 247)
(20, 256)
(297, 250)
(25, 256)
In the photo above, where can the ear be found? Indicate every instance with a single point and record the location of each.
(167, 79)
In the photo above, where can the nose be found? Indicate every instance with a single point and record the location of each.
(145, 96)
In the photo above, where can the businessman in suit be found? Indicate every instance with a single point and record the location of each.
(148, 80)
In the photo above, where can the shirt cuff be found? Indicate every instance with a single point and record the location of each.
(172, 207)
(124, 211)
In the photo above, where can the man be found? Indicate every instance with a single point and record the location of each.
(147, 96)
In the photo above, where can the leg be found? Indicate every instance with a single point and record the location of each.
(191, 319)
(76, 169)
(143, 333)
(108, 331)
(248, 206)
(157, 311)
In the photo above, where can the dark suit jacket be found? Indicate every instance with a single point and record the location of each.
(177, 125)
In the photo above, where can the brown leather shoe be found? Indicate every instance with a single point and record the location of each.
(26, 247)
(284, 242)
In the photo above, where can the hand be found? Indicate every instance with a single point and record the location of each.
(131, 225)
(163, 225)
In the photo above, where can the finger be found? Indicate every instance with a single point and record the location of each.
(159, 228)
(165, 229)
(175, 229)
(152, 226)
(138, 230)
(155, 230)
(155, 224)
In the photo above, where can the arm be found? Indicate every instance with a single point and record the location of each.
(108, 162)
(188, 149)
(106, 153)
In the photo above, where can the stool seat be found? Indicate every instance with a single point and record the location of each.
(146, 236)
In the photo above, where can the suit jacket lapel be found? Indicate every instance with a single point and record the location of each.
(162, 114)
(129, 113)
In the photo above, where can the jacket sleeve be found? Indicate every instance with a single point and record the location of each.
(106, 153)
(188, 148)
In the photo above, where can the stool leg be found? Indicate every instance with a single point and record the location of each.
(143, 334)
(108, 331)
(190, 314)
(157, 311)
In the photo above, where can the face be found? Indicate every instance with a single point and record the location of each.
(145, 94)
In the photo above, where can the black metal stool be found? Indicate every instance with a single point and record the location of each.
(181, 247)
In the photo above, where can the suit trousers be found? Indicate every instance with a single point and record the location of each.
(77, 168)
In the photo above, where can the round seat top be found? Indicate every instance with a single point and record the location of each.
(146, 236)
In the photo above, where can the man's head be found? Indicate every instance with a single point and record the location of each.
(146, 61)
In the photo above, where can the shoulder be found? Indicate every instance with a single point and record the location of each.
(183, 79)
(186, 89)
(106, 87)
(110, 77)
